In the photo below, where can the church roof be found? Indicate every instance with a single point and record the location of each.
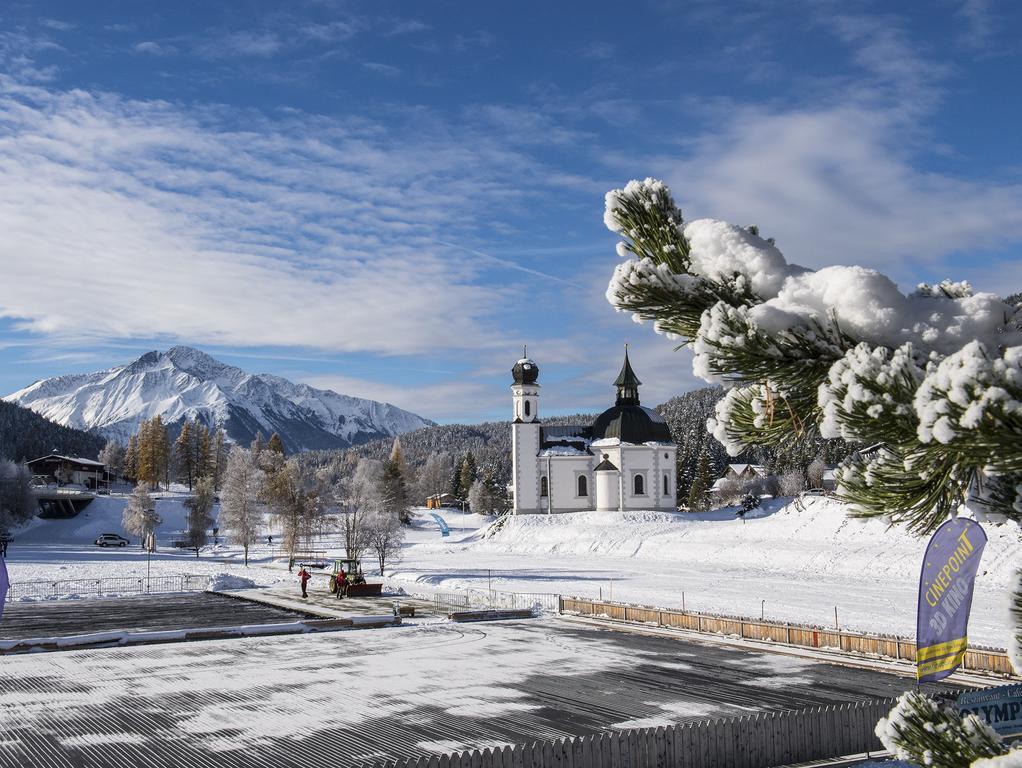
(627, 377)
(628, 421)
(634, 424)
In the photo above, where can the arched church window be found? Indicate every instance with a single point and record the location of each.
(583, 486)
(667, 487)
(528, 408)
(543, 487)
(640, 486)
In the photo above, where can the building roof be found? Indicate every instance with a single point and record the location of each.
(69, 459)
(758, 469)
(565, 435)
(627, 420)
(627, 377)
(632, 424)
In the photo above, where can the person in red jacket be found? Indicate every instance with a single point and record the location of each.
(303, 577)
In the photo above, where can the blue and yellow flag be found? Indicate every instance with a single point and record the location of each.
(945, 597)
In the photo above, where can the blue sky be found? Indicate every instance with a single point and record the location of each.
(389, 199)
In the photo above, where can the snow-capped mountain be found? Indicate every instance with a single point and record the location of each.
(184, 383)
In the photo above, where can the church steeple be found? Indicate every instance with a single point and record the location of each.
(627, 384)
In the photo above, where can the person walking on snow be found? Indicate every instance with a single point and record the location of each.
(303, 577)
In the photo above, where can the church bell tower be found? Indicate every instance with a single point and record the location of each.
(525, 434)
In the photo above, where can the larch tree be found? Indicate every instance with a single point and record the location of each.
(934, 378)
(218, 455)
(241, 511)
(130, 469)
(184, 454)
(393, 492)
(275, 444)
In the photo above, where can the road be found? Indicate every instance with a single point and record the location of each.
(341, 698)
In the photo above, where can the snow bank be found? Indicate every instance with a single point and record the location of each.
(781, 539)
(224, 581)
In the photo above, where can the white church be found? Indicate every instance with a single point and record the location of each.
(625, 460)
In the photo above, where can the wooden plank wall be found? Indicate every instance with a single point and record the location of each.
(976, 659)
(754, 741)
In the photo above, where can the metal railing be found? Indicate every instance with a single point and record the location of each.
(445, 602)
(125, 585)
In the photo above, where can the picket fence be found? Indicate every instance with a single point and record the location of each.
(762, 740)
(977, 658)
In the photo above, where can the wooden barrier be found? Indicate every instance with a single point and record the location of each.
(977, 659)
(753, 741)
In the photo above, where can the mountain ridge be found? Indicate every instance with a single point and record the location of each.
(186, 383)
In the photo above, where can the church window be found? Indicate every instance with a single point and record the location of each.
(639, 485)
(583, 486)
(543, 491)
(528, 408)
(667, 487)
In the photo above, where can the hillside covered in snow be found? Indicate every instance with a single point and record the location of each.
(184, 383)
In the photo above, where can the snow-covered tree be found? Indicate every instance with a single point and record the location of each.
(294, 499)
(384, 534)
(934, 377)
(699, 492)
(434, 475)
(486, 497)
(112, 457)
(241, 512)
(815, 472)
(200, 513)
(792, 483)
(17, 504)
(356, 497)
(139, 515)
(467, 475)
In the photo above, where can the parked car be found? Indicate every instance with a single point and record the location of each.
(111, 540)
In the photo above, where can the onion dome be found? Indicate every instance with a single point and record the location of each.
(525, 371)
(628, 421)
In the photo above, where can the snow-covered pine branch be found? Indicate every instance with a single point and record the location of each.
(934, 375)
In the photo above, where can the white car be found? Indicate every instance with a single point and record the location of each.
(111, 540)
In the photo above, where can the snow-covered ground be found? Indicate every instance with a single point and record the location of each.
(788, 563)
(783, 562)
(58, 549)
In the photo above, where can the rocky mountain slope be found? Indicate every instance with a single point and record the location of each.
(184, 383)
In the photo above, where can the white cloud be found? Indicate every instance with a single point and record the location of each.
(150, 222)
(838, 180)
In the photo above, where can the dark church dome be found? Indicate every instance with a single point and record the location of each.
(631, 424)
(525, 371)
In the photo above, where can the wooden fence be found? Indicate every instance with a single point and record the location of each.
(754, 741)
(977, 658)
